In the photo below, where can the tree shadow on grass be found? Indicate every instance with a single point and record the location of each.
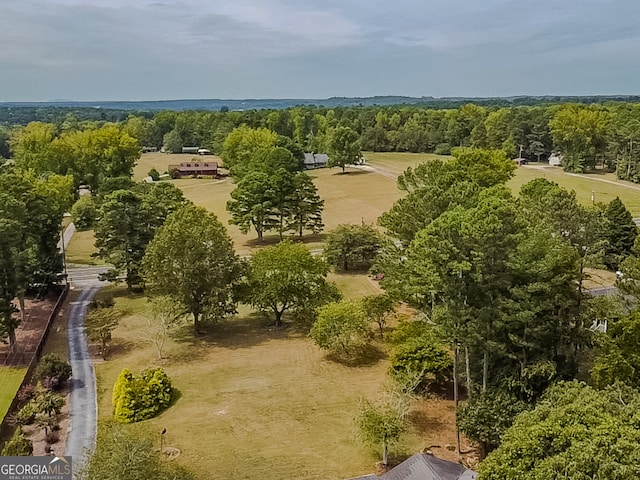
(368, 356)
(239, 332)
(269, 240)
(119, 348)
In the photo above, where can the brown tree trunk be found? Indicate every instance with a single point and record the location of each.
(22, 309)
(455, 396)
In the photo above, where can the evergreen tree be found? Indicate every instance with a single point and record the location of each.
(305, 206)
(621, 232)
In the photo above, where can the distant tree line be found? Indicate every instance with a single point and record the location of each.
(587, 135)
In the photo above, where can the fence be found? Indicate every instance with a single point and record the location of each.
(6, 428)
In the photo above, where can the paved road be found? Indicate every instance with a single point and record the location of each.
(83, 408)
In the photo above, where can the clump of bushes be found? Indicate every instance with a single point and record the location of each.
(53, 371)
(419, 357)
(84, 212)
(18, 446)
(154, 174)
(142, 397)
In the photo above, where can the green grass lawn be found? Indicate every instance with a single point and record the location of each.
(81, 247)
(398, 162)
(10, 380)
(254, 402)
(584, 185)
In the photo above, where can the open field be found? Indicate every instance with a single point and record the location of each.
(80, 249)
(398, 162)
(259, 403)
(10, 380)
(583, 185)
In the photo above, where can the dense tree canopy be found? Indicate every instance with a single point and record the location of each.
(287, 277)
(574, 432)
(191, 260)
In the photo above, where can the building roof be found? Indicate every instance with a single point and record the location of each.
(315, 158)
(423, 466)
(194, 166)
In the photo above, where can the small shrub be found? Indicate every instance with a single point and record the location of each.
(154, 174)
(139, 398)
(27, 414)
(53, 366)
(51, 383)
(52, 437)
(419, 356)
(26, 393)
(18, 446)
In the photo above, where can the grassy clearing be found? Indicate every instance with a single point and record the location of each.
(583, 185)
(81, 247)
(10, 380)
(255, 402)
(398, 162)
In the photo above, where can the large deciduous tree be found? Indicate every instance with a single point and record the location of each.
(244, 148)
(191, 260)
(353, 246)
(287, 277)
(344, 148)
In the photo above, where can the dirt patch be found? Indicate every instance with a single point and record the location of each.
(29, 333)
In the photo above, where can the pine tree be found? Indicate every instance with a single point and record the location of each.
(621, 232)
(305, 206)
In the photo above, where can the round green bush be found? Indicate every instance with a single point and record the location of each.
(142, 397)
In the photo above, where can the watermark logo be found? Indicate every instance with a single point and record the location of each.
(35, 468)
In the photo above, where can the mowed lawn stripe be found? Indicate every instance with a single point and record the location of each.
(10, 380)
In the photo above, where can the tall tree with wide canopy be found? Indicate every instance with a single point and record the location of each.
(191, 259)
(344, 148)
(287, 277)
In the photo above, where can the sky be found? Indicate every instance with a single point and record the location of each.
(193, 49)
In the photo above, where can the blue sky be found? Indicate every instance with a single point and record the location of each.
(166, 49)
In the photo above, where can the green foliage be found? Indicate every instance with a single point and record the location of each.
(172, 142)
(383, 423)
(154, 174)
(487, 416)
(129, 454)
(341, 328)
(434, 187)
(579, 132)
(191, 259)
(53, 366)
(287, 277)
(621, 233)
(84, 212)
(99, 324)
(618, 358)
(418, 355)
(128, 220)
(378, 308)
(18, 446)
(573, 432)
(140, 398)
(344, 148)
(27, 414)
(353, 246)
(244, 148)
